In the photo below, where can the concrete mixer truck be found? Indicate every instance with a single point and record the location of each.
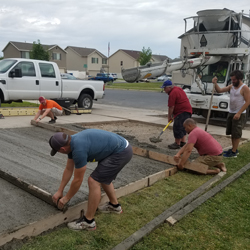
(217, 42)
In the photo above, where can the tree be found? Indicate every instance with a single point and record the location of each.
(38, 52)
(145, 56)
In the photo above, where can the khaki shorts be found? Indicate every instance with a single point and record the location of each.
(57, 112)
(210, 160)
(234, 127)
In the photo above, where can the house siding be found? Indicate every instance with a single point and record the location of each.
(115, 62)
(61, 63)
(94, 68)
(75, 61)
(11, 52)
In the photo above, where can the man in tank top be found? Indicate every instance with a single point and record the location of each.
(239, 102)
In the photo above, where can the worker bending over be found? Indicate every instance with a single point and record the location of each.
(111, 151)
(209, 149)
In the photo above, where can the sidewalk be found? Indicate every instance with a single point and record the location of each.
(107, 113)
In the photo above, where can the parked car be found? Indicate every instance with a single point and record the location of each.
(113, 75)
(68, 76)
(102, 77)
(164, 78)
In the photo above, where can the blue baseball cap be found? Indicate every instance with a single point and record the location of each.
(166, 84)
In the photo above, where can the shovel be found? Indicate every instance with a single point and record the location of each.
(157, 139)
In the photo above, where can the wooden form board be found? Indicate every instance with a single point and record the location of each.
(18, 111)
(196, 167)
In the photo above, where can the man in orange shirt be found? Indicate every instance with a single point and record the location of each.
(48, 108)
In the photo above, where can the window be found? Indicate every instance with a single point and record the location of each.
(56, 56)
(47, 70)
(25, 54)
(104, 61)
(121, 63)
(6, 64)
(94, 60)
(27, 68)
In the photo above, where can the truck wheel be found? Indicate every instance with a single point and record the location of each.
(85, 101)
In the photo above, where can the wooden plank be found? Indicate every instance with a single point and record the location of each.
(52, 127)
(140, 151)
(161, 157)
(156, 222)
(156, 177)
(18, 111)
(171, 171)
(189, 208)
(196, 167)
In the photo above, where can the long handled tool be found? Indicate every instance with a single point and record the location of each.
(157, 139)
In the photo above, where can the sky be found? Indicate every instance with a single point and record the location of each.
(127, 24)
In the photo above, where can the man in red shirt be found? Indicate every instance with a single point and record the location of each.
(179, 109)
(48, 108)
(209, 149)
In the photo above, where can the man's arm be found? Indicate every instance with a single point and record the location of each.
(177, 157)
(187, 151)
(37, 114)
(74, 187)
(68, 171)
(218, 89)
(170, 113)
(246, 96)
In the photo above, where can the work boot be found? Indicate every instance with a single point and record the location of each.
(52, 121)
(174, 146)
(110, 208)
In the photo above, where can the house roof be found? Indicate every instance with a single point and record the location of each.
(85, 51)
(135, 54)
(28, 46)
(160, 58)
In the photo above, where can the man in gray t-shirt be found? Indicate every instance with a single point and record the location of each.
(111, 151)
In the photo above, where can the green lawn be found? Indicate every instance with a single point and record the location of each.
(223, 222)
(19, 104)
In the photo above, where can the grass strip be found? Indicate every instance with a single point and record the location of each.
(19, 104)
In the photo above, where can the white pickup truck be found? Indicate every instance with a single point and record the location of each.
(26, 79)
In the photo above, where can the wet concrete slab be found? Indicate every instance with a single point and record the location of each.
(25, 154)
(19, 208)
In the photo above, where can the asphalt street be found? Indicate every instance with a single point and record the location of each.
(136, 99)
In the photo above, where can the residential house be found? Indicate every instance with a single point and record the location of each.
(128, 59)
(85, 59)
(22, 50)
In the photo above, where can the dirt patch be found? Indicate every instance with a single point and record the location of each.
(139, 134)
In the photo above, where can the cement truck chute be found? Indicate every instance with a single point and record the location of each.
(137, 74)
